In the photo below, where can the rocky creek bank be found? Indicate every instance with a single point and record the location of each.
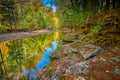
(80, 61)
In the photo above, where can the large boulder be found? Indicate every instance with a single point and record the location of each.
(86, 50)
(67, 49)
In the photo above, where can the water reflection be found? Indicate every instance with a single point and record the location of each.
(32, 73)
(18, 55)
(46, 59)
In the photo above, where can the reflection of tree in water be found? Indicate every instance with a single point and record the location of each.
(2, 65)
(11, 58)
(16, 56)
(3, 56)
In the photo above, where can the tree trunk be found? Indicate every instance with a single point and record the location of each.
(72, 3)
(113, 2)
(118, 6)
(84, 5)
(101, 5)
(107, 5)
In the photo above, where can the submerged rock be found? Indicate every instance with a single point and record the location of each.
(78, 61)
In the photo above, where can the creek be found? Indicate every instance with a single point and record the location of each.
(24, 58)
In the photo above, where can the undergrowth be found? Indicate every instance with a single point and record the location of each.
(103, 30)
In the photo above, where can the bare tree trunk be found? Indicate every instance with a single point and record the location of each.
(72, 3)
(84, 5)
(118, 6)
(107, 5)
(101, 5)
(113, 2)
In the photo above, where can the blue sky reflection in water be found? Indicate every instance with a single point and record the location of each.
(50, 3)
(44, 62)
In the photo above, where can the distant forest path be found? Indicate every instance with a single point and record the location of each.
(19, 35)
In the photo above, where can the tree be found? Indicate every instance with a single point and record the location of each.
(7, 8)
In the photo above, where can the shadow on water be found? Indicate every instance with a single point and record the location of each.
(24, 58)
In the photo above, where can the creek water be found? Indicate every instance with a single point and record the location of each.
(41, 64)
(24, 58)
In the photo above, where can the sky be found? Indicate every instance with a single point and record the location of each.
(49, 3)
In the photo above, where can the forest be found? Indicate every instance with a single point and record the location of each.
(87, 28)
(27, 15)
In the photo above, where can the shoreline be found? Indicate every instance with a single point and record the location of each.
(18, 35)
